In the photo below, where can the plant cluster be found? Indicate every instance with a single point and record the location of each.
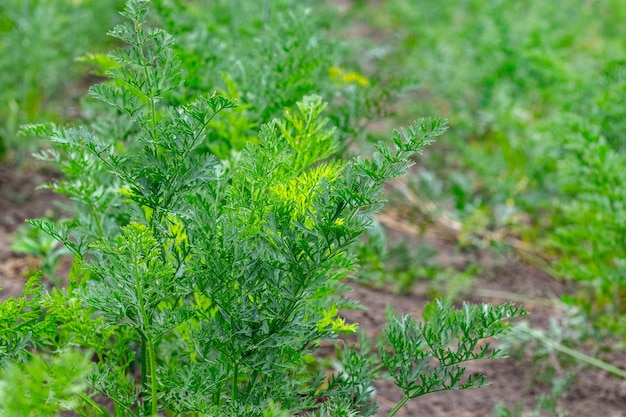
(588, 235)
(534, 162)
(267, 56)
(202, 284)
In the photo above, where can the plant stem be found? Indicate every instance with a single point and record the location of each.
(94, 405)
(233, 393)
(153, 376)
(96, 218)
(148, 358)
(576, 354)
(398, 406)
(377, 369)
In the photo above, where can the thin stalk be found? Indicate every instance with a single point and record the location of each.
(252, 381)
(94, 404)
(153, 116)
(576, 354)
(153, 377)
(152, 107)
(144, 361)
(378, 368)
(148, 359)
(148, 362)
(96, 218)
(119, 404)
(398, 406)
(234, 389)
(149, 90)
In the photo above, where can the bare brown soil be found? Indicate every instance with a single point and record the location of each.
(515, 381)
(594, 393)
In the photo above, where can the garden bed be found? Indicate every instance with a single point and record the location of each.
(514, 380)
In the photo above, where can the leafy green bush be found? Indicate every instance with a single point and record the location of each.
(203, 286)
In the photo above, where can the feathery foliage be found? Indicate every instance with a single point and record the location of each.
(203, 285)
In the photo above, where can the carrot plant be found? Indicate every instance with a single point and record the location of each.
(267, 55)
(587, 239)
(203, 286)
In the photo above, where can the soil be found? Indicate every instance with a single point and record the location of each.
(504, 278)
(19, 200)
